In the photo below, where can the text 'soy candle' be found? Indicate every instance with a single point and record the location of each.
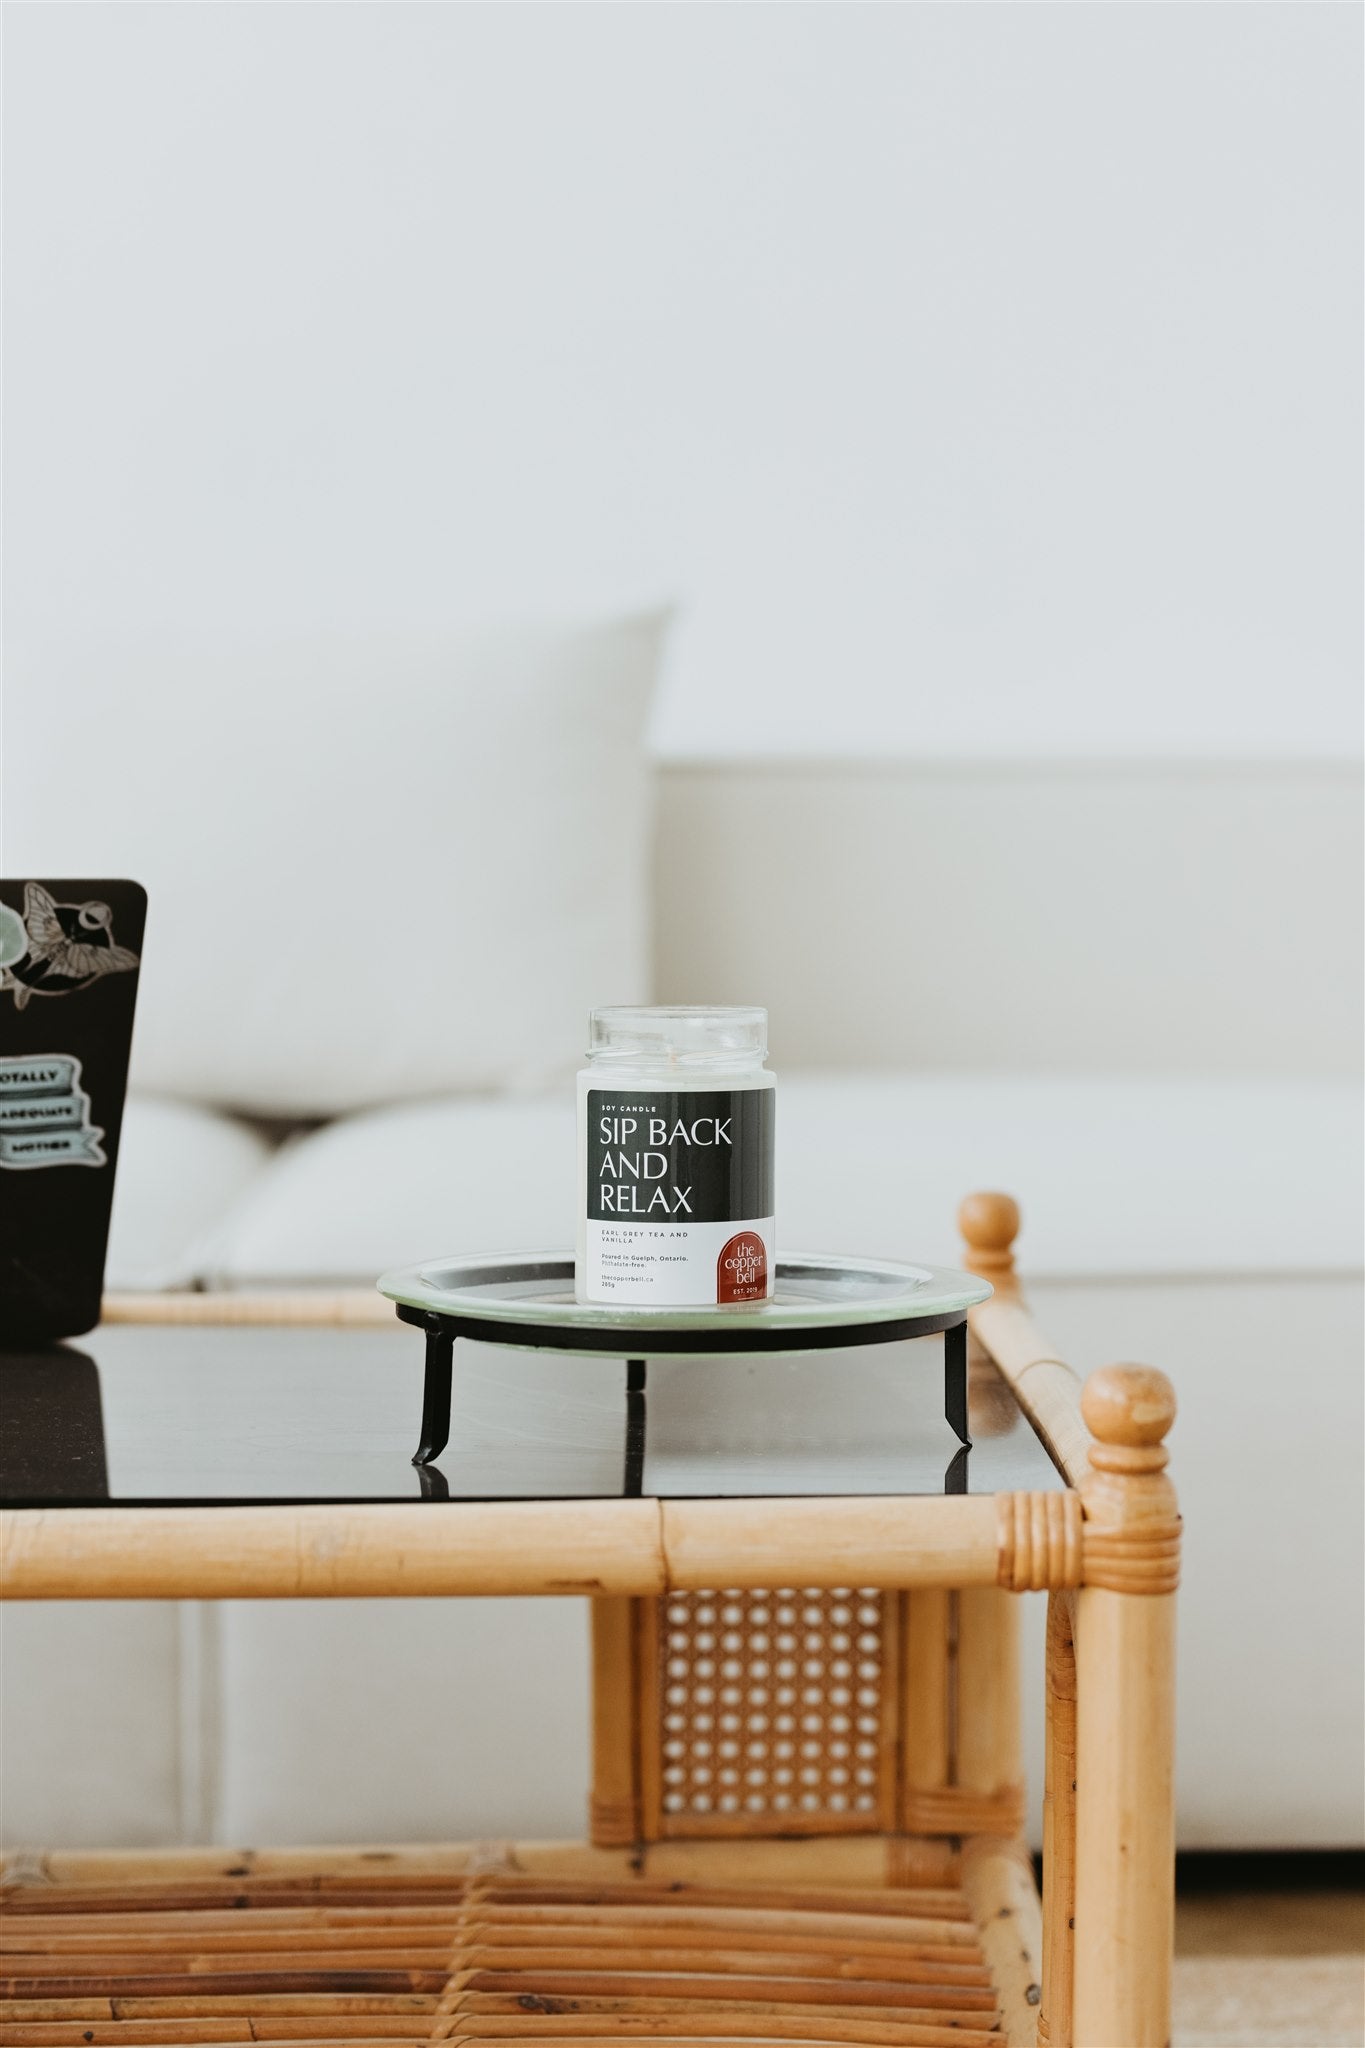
(675, 1159)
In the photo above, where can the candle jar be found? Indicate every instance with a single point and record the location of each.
(675, 1159)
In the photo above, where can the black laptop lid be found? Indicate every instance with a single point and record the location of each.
(69, 958)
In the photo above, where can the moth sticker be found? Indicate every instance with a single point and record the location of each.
(65, 946)
(45, 1114)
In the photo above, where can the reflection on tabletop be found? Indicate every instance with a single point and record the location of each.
(148, 1414)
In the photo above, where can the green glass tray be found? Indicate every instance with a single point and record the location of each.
(532, 1293)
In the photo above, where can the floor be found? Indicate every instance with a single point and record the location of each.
(1270, 1968)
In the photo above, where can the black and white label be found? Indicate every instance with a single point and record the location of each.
(679, 1196)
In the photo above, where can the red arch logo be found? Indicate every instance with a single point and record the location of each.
(742, 1269)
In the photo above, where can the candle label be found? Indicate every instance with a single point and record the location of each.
(679, 1196)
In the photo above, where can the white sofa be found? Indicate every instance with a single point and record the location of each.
(1199, 1212)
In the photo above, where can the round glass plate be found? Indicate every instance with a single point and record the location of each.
(535, 1290)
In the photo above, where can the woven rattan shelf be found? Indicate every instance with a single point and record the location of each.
(383, 1949)
(806, 1795)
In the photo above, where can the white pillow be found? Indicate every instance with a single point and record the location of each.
(338, 1205)
(181, 1169)
(1118, 1177)
(376, 867)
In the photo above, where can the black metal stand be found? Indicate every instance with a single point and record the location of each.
(634, 1482)
(955, 1381)
(436, 1388)
(441, 1332)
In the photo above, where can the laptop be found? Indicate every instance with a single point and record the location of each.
(70, 954)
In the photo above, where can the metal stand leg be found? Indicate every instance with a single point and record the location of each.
(633, 1483)
(436, 1395)
(955, 1380)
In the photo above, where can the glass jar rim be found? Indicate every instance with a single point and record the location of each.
(679, 1032)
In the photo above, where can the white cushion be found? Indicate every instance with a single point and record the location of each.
(393, 1185)
(377, 868)
(401, 1720)
(109, 1758)
(1117, 1177)
(180, 1169)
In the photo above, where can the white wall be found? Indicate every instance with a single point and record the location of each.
(980, 375)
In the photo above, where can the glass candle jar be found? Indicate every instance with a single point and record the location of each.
(675, 1159)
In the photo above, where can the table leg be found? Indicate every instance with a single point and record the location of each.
(633, 1484)
(436, 1395)
(955, 1380)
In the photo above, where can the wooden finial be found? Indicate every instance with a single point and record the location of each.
(1131, 1541)
(990, 1224)
(1128, 1410)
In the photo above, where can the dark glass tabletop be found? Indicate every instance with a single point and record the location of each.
(135, 1415)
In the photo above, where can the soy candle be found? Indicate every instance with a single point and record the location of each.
(675, 1159)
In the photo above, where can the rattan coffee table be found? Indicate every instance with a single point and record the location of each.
(806, 1783)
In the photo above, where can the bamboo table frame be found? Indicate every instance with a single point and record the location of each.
(1106, 1550)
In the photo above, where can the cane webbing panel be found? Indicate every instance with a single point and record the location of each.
(769, 1712)
(350, 1960)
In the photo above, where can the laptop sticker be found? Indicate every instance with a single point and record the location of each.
(45, 1114)
(66, 947)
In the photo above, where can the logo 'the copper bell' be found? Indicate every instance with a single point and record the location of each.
(742, 1269)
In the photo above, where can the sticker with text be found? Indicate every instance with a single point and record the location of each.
(45, 1114)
